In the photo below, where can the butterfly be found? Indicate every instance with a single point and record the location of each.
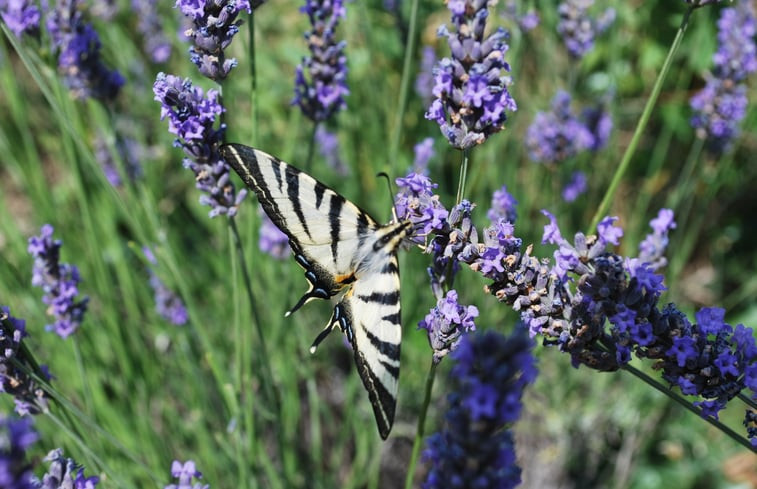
(343, 251)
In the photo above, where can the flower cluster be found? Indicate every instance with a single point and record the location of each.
(65, 473)
(15, 380)
(185, 472)
(272, 240)
(470, 88)
(750, 423)
(78, 47)
(721, 105)
(167, 303)
(323, 95)
(214, 24)
(490, 375)
(128, 151)
(504, 206)
(16, 436)
(59, 281)
(578, 29)
(526, 22)
(191, 117)
(558, 135)
(424, 82)
(446, 324)
(423, 152)
(416, 202)
(21, 16)
(148, 24)
(652, 248)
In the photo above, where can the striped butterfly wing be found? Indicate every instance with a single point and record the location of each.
(339, 246)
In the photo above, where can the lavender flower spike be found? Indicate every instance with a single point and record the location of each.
(557, 135)
(21, 16)
(149, 26)
(59, 281)
(490, 374)
(79, 61)
(471, 90)
(191, 117)
(721, 105)
(65, 473)
(214, 24)
(446, 323)
(272, 240)
(323, 95)
(578, 29)
(167, 303)
(185, 472)
(14, 380)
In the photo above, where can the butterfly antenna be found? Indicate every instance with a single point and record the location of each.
(391, 192)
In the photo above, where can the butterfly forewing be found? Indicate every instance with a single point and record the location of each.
(338, 245)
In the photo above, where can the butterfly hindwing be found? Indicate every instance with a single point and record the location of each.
(339, 246)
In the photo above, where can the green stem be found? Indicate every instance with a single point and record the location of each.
(463, 176)
(687, 405)
(642, 124)
(253, 80)
(748, 401)
(421, 424)
(404, 85)
(86, 388)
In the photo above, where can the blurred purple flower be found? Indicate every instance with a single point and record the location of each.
(424, 82)
(78, 47)
(21, 16)
(191, 117)
(526, 22)
(16, 436)
(272, 240)
(599, 123)
(214, 24)
(489, 377)
(721, 105)
(575, 187)
(149, 27)
(323, 95)
(470, 88)
(129, 155)
(65, 473)
(186, 472)
(652, 249)
(424, 151)
(59, 281)
(557, 135)
(578, 29)
(328, 146)
(167, 303)
(504, 206)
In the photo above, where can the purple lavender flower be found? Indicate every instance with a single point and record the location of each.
(328, 146)
(14, 380)
(473, 450)
(750, 423)
(504, 206)
(557, 135)
(446, 323)
(154, 40)
(78, 47)
(471, 92)
(526, 22)
(424, 82)
(652, 249)
(416, 201)
(721, 105)
(214, 24)
(191, 116)
(65, 473)
(575, 187)
(59, 281)
(185, 472)
(272, 240)
(129, 155)
(167, 303)
(323, 95)
(578, 29)
(599, 123)
(16, 436)
(424, 151)
(21, 16)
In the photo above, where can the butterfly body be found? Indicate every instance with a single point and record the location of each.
(343, 250)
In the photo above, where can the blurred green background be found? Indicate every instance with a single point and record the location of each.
(159, 392)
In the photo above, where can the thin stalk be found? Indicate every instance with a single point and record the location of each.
(86, 387)
(687, 405)
(463, 176)
(421, 425)
(253, 80)
(747, 400)
(404, 85)
(642, 124)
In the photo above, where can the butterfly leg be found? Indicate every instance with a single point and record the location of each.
(322, 286)
(340, 318)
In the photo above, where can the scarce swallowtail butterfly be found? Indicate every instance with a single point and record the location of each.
(343, 250)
